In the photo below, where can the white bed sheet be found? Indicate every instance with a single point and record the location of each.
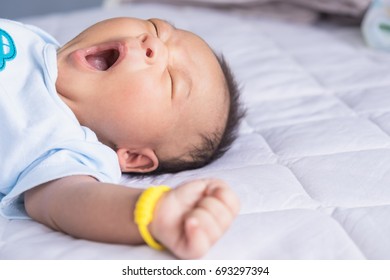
(311, 165)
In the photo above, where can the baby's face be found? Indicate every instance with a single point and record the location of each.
(143, 83)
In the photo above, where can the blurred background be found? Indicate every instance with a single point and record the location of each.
(375, 27)
(13, 9)
(341, 11)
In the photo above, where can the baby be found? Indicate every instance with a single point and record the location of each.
(125, 95)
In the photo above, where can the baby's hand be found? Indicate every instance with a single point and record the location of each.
(189, 219)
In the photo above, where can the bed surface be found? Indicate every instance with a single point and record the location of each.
(312, 162)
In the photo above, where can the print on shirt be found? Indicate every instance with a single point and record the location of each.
(7, 49)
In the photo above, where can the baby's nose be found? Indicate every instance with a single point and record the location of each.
(152, 47)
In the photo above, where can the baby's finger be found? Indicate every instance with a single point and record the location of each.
(218, 210)
(213, 184)
(228, 198)
(207, 223)
(197, 240)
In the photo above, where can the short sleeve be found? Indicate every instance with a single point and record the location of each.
(73, 158)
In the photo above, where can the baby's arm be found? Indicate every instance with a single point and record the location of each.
(85, 208)
(187, 220)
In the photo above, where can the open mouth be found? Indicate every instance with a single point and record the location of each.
(103, 57)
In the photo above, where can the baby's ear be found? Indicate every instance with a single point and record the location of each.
(139, 161)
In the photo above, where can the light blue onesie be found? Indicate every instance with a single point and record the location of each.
(40, 137)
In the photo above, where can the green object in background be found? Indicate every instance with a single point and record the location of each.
(376, 25)
(385, 27)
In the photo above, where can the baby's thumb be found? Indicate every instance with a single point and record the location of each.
(197, 240)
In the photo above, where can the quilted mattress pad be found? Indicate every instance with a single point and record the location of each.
(312, 162)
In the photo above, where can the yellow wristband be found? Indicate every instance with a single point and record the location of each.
(143, 213)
